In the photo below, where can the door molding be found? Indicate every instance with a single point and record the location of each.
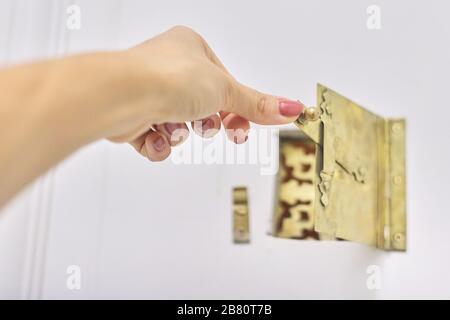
(50, 20)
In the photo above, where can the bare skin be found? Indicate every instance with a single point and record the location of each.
(142, 96)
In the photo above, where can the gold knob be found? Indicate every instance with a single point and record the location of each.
(311, 113)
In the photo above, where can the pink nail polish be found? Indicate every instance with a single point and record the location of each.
(171, 127)
(290, 108)
(159, 144)
(207, 125)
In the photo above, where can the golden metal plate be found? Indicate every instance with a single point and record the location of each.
(359, 176)
(241, 230)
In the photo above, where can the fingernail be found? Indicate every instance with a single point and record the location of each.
(159, 144)
(171, 127)
(290, 108)
(207, 125)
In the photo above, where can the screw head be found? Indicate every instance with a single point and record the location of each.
(397, 180)
(399, 237)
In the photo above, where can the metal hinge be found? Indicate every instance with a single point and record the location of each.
(354, 188)
(241, 230)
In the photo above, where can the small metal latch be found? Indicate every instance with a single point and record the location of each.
(342, 176)
(241, 232)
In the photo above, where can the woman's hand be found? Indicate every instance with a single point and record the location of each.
(143, 96)
(188, 83)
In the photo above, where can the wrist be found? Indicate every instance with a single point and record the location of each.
(98, 95)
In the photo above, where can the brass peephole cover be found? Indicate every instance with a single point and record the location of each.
(342, 176)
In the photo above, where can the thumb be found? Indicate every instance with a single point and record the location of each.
(262, 108)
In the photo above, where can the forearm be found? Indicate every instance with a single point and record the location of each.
(50, 109)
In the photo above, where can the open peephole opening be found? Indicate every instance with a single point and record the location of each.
(295, 194)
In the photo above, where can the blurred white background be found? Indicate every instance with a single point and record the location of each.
(143, 230)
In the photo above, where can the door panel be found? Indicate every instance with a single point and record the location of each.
(138, 229)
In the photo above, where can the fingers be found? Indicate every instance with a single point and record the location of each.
(176, 133)
(157, 146)
(207, 127)
(156, 143)
(259, 107)
(236, 127)
(152, 145)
